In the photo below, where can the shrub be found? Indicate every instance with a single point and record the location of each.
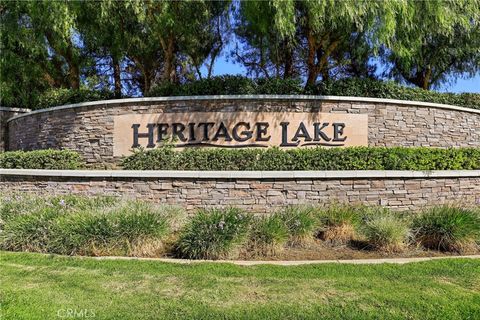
(386, 232)
(268, 235)
(278, 86)
(41, 159)
(338, 223)
(447, 228)
(212, 234)
(362, 87)
(300, 221)
(352, 158)
(220, 85)
(239, 85)
(355, 87)
(58, 97)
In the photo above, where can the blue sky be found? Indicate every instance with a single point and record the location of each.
(222, 66)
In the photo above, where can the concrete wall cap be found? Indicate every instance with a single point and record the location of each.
(14, 109)
(177, 174)
(251, 97)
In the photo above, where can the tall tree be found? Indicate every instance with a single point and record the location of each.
(318, 34)
(266, 31)
(211, 37)
(435, 41)
(41, 48)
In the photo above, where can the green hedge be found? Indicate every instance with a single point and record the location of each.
(355, 87)
(58, 97)
(86, 225)
(233, 85)
(355, 158)
(41, 159)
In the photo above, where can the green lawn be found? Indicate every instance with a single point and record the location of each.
(35, 286)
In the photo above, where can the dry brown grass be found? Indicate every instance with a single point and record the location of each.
(147, 248)
(339, 234)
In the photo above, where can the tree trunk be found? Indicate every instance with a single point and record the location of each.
(322, 57)
(311, 65)
(74, 76)
(169, 68)
(422, 79)
(288, 69)
(117, 77)
(68, 54)
(426, 79)
(146, 81)
(325, 74)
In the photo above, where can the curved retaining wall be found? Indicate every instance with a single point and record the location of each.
(5, 114)
(256, 191)
(88, 127)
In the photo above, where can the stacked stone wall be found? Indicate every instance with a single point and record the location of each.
(88, 128)
(259, 195)
(5, 114)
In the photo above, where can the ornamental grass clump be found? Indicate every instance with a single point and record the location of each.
(448, 228)
(301, 223)
(86, 226)
(213, 234)
(386, 232)
(131, 228)
(29, 232)
(268, 235)
(338, 223)
(27, 223)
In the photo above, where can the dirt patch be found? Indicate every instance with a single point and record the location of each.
(321, 250)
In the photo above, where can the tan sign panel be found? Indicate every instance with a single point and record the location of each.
(238, 130)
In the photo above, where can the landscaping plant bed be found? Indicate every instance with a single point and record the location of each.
(319, 250)
(105, 226)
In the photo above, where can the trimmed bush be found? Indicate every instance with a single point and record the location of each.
(213, 234)
(268, 235)
(354, 87)
(279, 86)
(300, 221)
(363, 87)
(386, 232)
(239, 85)
(353, 158)
(220, 85)
(41, 159)
(58, 97)
(447, 228)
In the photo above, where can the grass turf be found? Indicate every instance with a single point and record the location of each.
(35, 286)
